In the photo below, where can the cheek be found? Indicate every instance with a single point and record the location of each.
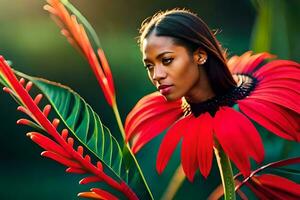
(188, 79)
(150, 77)
(188, 72)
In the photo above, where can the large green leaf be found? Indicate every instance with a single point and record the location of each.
(87, 127)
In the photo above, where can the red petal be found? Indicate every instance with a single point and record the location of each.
(75, 170)
(151, 115)
(285, 98)
(290, 76)
(148, 101)
(153, 127)
(90, 179)
(247, 63)
(205, 143)
(240, 62)
(276, 119)
(259, 192)
(189, 148)
(275, 66)
(61, 160)
(106, 69)
(280, 186)
(254, 62)
(153, 106)
(279, 72)
(169, 143)
(238, 137)
(289, 161)
(104, 194)
(277, 182)
(232, 61)
(48, 144)
(90, 195)
(281, 84)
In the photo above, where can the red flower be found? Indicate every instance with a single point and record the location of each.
(58, 145)
(267, 94)
(97, 193)
(270, 186)
(77, 36)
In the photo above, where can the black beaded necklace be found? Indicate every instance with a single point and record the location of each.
(245, 85)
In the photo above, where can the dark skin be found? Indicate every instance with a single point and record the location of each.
(175, 71)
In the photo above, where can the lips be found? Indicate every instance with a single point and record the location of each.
(165, 89)
(161, 87)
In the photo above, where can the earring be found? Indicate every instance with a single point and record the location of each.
(201, 60)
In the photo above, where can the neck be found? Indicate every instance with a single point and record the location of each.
(201, 91)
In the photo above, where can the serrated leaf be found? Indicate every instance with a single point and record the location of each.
(86, 126)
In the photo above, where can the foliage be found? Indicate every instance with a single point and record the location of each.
(72, 133)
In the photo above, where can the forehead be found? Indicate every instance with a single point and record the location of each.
(154, 44)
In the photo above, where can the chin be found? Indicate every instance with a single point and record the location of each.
(172, 97)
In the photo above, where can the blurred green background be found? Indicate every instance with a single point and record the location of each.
(31, 40)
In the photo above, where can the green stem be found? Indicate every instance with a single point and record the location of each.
(118, 118)
(127, 147)
(174, 184)
(225, 172)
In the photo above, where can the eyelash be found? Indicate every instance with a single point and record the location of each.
(165, 61)
(148, 66)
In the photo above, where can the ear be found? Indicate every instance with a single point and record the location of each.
(200, 56)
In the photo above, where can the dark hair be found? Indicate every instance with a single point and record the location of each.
(188, 30)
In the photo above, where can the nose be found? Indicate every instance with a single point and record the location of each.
(158, 73)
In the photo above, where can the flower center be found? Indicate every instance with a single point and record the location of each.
(245, 84)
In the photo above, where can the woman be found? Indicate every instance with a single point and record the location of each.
(207, 101)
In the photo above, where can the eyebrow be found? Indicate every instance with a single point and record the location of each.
(159, 55)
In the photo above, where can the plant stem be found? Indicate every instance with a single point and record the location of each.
(225, 172)
(128, 149)
(118, 118)
(175, 183)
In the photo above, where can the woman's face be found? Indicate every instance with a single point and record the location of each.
(172, 69)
